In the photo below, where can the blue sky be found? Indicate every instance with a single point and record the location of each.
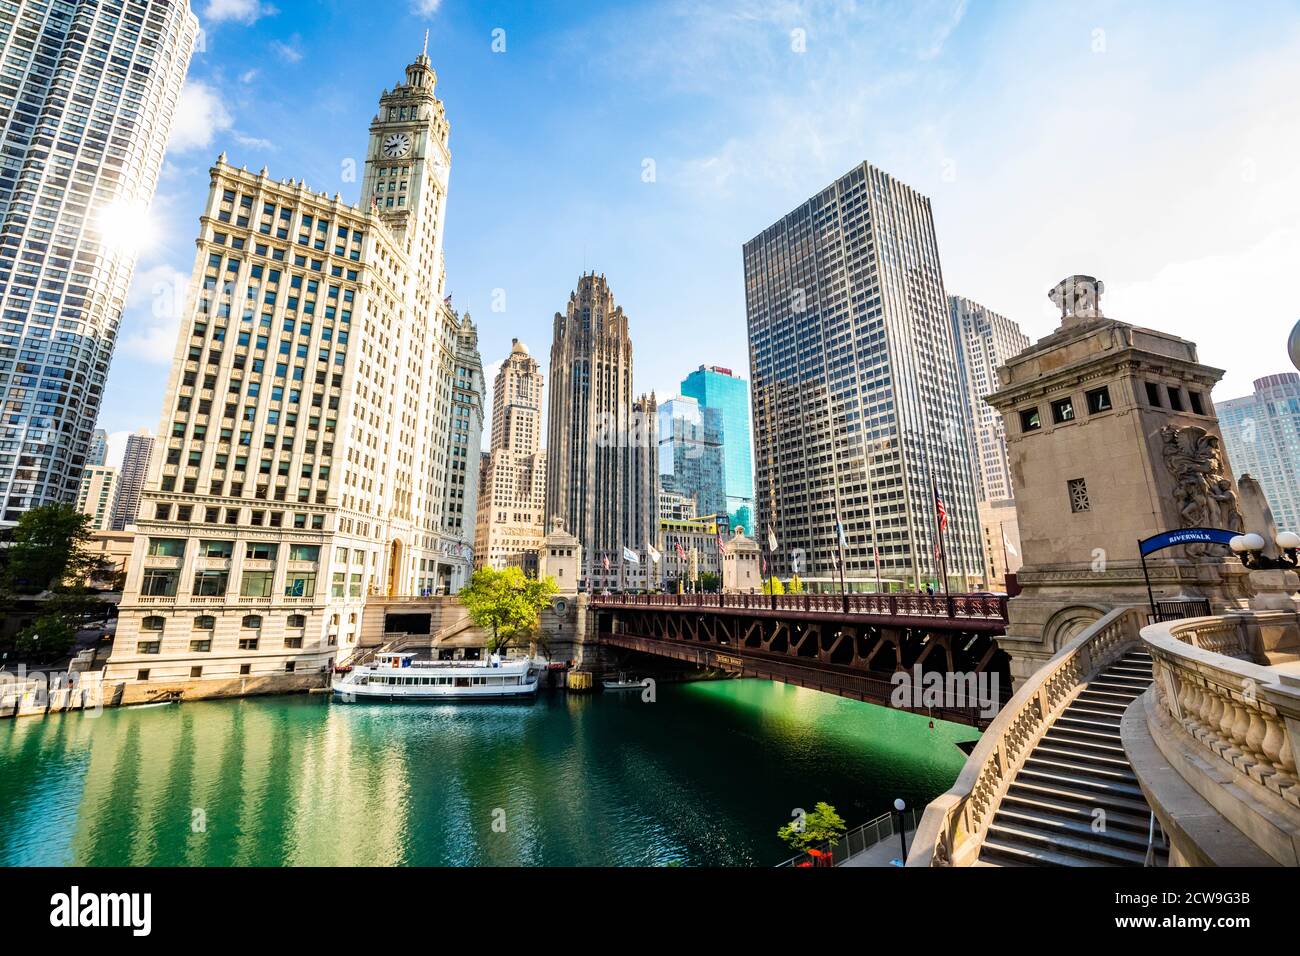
(1152, 145)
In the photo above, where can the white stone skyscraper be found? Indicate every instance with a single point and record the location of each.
(87, 97)
(859, 412)
(321, 428)
(512, 501)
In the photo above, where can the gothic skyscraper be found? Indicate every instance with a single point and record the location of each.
(602, 477)
(320, 432)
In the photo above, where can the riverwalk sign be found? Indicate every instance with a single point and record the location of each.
(1171, 539)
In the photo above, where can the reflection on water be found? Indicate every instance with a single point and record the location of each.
(705, 775)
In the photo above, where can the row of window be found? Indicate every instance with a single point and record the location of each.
(206, 622)
(1098, 401)
(196, 672)
(253, 550)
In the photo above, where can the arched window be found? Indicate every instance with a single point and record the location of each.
(297, 620)
(152, 623)
(205, 622)
(252, 621)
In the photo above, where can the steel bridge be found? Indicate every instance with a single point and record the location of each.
(845, 644)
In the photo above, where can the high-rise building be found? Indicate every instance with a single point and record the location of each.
(674, 506)
(985, 340)
(691, 459)
(98, 453)
(87, 97)
(602, 483)
(322, 422)
(95, 498)
(719, 388)
(1261, 435)
(858, 407)
(131, 480)
(512, 493)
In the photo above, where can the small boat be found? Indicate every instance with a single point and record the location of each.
(622, 684)
(399, 676)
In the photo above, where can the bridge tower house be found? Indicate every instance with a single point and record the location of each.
(1112, 438)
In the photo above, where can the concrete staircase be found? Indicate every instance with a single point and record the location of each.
(1049, 814)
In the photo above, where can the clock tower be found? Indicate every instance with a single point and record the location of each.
(407, 166)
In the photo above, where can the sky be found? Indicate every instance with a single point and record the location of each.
(1151, 145)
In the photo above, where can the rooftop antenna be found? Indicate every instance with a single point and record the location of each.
(425, 51)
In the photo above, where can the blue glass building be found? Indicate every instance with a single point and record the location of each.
(717, 388)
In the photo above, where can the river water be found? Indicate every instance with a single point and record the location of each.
(703, 775)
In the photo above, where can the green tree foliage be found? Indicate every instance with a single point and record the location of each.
(47, 638)
(49, 549)
(507, 603)
(773, 586)
(709, 582)
(794, 586)
(815, 830)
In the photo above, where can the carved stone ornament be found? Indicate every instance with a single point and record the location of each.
(1205, 495)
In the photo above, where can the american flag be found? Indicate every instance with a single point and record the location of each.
(941, 511)
(681, 552)
(605, 561)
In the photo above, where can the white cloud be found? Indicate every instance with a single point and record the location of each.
(291, 51)
(240, 11)
(116, 448)
(425, 8)
(254, 142)
(154, 307)
(248, 76)
(200, 116)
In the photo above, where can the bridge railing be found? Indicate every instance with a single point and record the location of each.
(954, 825)
(858, 840)
(981, 607)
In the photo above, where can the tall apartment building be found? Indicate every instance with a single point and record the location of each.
(985, 340)
(1261, 435)
(87, 96)
(858, 410)
(98, 454)
(321, 428)
(512, 496)
(691, 458)
(131, 480)
(719, 388)
(602, 482)
(95, 497)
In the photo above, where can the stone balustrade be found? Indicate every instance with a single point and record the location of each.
(1228, 724)
(954, 825)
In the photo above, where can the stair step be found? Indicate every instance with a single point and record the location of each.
(999, 853)
(1128, 673)
(1110, 728)
(1119, 687)
(1050, 823)
(1089, 693)
(1069, 779)
(1088, 852)
(1108, 707)
(1082, 768)
(1058, 737)
(1110, 802)
(1055, 751)
(1115, 819)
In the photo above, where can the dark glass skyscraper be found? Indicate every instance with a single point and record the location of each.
(857, 399)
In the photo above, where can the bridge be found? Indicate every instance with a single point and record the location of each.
(845, 644)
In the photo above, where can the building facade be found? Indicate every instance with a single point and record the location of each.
(131, 479)
(985, 340)
(98, 454)
(691, 458)
(602, 480)
(321, 428)
(1261, 434)
(719, 388)
(512, 498)
(690, 549)
(95, 498)
(854, 378)
(87, 97)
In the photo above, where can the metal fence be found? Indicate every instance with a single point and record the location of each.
(860, 839)
(1178, 610)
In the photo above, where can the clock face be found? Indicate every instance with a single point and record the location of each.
(397, 144)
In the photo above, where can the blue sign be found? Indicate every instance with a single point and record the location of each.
(1169, 539)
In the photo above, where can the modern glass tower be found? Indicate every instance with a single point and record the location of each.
(87, 96)
(1261, 434)
(859, 407)
(718, 388)
(691, 443)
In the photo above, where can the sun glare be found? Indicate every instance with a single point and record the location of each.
(125, 226)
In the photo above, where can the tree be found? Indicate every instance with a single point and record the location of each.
(773, 586)
(814, 830)
(507, 603)
(795, 586)
(709, 582)
(47, 638)
(50, 548)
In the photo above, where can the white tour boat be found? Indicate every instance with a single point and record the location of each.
(399, 676)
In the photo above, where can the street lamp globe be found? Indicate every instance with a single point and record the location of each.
(899, 805)
(1288, 540)
(1293, 345)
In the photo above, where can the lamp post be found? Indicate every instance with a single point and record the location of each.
(900, 806)
(1250, 549)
